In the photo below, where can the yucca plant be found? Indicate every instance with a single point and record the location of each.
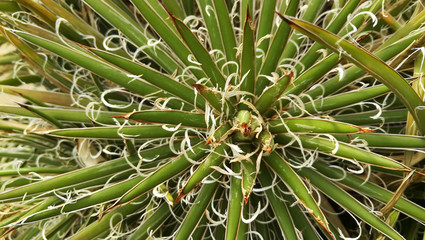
(213, 119)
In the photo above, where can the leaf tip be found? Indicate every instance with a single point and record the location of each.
(199, 87)
(124, 116)
(366, 130)
(181, 194)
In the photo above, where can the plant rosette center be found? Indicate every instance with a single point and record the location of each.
(248, 128)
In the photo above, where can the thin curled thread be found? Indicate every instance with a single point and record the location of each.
(59, 153)
(58, 23)
(35, 176)
(135, 167)
(114, 228)
(297, 103)
(311, 101)
(79, 73)
(340, 70)
(209, 115)
(88, 145)
(110, 36)
(202, 35)
(189, 159)
(295, 138)
(351, 33)
(18, 66)
(222, 217)
(143, 146)
(420, 71)
(237, 153)
(341, 234)
(122, 135)
(255, 214)
(354, 162)
(323, 17)
(227, 171)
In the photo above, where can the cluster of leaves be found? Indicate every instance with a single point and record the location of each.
(213, 119)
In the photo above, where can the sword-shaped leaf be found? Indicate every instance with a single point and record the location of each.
(174, 117)
(38, 62)
(340, 100)
(201, 54)
(216, 100)
(62, 99)
(89, 173)
(280, 208)
(234, 209)
(171, 169)
(355, 72)
(367, 187)
(128, 25)
(371, 117)
(194, 216)
(275, 51)
(67, 114)
(247, 64)
(139, 132)
(130, 189)
(369, 63)
(43, 115)
(249, 175)
(272, 94)
(152, 223)
(310, 125)
(153, 12)
(348, 202)
(152, 76)
(98, 66)
(342, 150)
(386, 140)
(334, 26)
(276, 163)
(111, 219)
(210, 17)
(226, 29)
(167, 171)
(214, 159)
(265, 25)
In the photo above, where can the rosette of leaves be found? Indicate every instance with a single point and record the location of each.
(212, 119)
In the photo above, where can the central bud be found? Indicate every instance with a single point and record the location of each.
(248, 128)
